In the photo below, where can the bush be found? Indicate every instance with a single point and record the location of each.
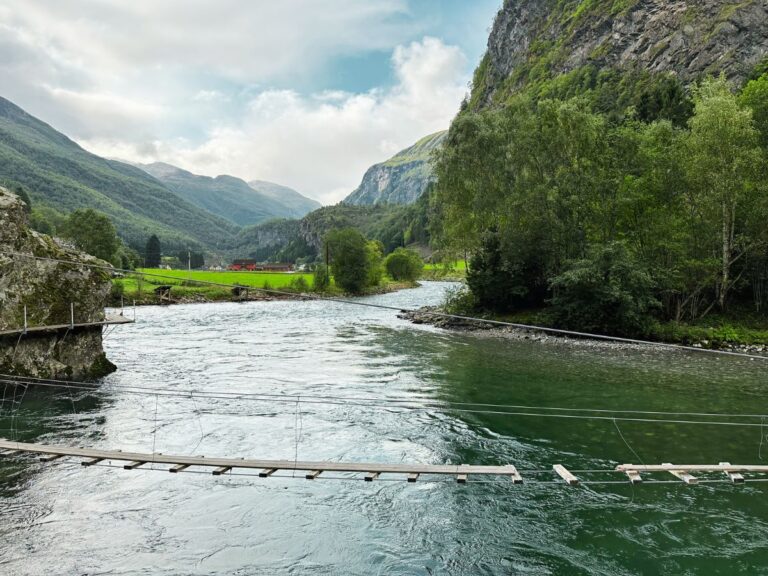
(322, 278)
(606, 293)
(299, 284)
(459, 301)
(404, 264)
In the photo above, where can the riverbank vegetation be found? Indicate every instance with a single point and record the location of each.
(647, 220)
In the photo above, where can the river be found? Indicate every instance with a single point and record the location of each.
(60, 518)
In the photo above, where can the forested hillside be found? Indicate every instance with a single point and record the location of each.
(393, 226)
(59, 174)
(232, 198)
(611, 187)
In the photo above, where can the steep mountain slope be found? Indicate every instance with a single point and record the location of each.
(400, 180)
(533, 40)
(59, 173)
(229, 197)
(298, 205)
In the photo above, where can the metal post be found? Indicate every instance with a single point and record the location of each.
(25, 319)
(134, 310)
(71, 315)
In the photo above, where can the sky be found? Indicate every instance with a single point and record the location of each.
(304, 93)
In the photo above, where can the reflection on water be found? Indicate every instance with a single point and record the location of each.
(62, 519)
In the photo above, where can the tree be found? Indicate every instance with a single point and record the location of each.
(349, 259)
(152, 253)
(605, 293)
(374, 255)
(404, 264)
(92, 232)
(755, 97)
(723, 156)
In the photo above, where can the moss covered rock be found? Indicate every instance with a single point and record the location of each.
(49, 290)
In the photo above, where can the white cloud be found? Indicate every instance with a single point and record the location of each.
(189, 83)
(323, 145)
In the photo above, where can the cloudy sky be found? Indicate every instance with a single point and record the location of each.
(305, 93)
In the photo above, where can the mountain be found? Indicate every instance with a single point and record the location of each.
(533, 41)
(232, 198)
(298, 204)
(58, 173)
(400, 180)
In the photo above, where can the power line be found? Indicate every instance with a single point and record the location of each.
(364, 404)
(446, 315)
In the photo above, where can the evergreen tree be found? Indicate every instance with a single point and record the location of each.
(153, 253)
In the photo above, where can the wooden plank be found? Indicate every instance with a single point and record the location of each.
(134, 465)
(267, 473)
(221, 470)
(313, 474)
(634, 476)
(178, 468)
(461, 478)
(51, 457)
(693, 468)
(735, 477)
(371, 476)
(91, 461)
(563, 472)
(515, 475)
(109, 321)
(413, 477)
(10, 452)
(683, 475)
(357, 467)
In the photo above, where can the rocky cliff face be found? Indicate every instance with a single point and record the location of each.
(533, 39)
(47, 289)
(400, 180)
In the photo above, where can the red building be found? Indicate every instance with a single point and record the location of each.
(253, 266)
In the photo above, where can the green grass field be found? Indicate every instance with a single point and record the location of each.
(252, 279)
(186, 284)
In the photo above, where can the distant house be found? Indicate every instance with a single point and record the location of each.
(253, 266)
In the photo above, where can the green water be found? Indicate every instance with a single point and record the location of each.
(62, 519)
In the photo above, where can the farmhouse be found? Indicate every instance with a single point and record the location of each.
(253, 266)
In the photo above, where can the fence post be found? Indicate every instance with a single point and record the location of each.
(25, 319)
(71, 315)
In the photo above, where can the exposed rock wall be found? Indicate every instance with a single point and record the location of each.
(47, 289)
(400, 180)
(687, 37)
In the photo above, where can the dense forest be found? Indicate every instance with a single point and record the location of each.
(611, 199)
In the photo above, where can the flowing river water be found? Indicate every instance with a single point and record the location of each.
(60, 518)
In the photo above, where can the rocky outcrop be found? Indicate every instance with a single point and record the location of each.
(48, 290)
(532, 39)
(400, 180)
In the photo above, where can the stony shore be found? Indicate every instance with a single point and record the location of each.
(432, 315)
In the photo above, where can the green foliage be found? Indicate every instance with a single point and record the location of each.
(191, 259)
(349, 253)
(152, 252)
(374, 254)
(322, 278)
(93, 233)
(299, 284)
(529, 187)
(755, 97)
(605, 293)
(404, 264)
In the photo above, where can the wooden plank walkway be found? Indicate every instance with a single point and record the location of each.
(266, 467)
(109, 320)
(371, 471)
